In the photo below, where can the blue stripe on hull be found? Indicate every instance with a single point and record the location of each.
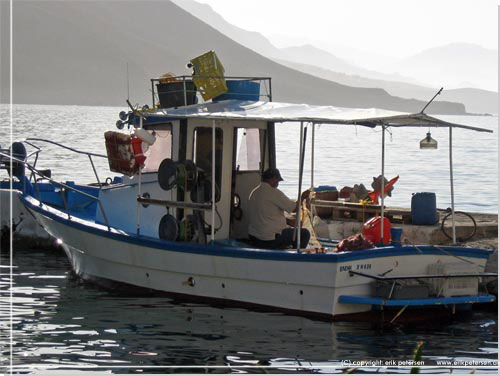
(250, 253)
(345, 299)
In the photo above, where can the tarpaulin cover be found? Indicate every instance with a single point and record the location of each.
(289, 112)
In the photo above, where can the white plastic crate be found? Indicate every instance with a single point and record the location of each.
(453, 286)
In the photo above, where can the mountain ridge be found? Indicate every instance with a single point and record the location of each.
(78, 51)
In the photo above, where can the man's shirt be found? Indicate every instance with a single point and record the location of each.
(266, 207)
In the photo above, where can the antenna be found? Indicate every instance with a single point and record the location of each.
(428, 103)
(128, 85)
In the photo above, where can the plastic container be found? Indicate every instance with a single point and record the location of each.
(145, 136)
(396, 234)
(171, 94)
(240, 89)
(327, 193)
(326, 188)
(372, 229)
(423, 208)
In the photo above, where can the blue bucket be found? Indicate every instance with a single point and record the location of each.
(240, 89)
(396, 234)
(423, 208)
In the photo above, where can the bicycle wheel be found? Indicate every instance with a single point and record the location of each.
(465, 226)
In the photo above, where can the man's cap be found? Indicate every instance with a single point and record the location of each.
(272, 173)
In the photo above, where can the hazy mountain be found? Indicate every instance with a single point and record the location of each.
(250, 39)
(311, 55)
(370, 60)
(303, 54)
(476, 101)
(454, 65)
(76, 52)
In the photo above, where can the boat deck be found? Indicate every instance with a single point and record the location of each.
(487, 227)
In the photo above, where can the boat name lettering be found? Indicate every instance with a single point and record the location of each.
(346, 268)
(363, 266)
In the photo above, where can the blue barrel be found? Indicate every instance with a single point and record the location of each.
(423, 208)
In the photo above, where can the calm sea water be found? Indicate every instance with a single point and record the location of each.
(61, 325)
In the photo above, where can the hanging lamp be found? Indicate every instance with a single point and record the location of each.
(428, 142)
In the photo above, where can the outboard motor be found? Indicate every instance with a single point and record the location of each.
(18, 151)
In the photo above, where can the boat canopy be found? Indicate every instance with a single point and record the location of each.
(290, 112)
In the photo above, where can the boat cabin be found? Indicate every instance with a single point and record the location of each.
(175, 184)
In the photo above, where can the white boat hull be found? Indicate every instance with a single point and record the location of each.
(279, 279)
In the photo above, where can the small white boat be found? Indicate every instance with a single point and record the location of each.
(157, 226)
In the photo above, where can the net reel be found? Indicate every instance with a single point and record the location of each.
(181, 174)
(186, 175)
(168, 229)
(167, 174)
(190, 229)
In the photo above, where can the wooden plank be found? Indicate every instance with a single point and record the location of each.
(362, 213)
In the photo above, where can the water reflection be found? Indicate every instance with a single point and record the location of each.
(62, 323)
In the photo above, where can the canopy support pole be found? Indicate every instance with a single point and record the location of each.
(382, 185)
(312, 172)
(312, 157)
(298, 208)
(212, 230)
(452, 188)
(139, 192)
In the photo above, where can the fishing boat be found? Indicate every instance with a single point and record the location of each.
(175, 219)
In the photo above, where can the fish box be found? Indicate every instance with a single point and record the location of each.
(459, 286)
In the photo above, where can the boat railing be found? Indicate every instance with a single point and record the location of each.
(186, 93)
(37, 151)
(35, 172)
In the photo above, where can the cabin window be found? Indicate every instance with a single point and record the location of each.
(161, 149)
(248, 150)
(203, 152)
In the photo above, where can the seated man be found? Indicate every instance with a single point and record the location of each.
(267, 224)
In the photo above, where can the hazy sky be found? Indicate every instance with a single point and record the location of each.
(391, 27)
